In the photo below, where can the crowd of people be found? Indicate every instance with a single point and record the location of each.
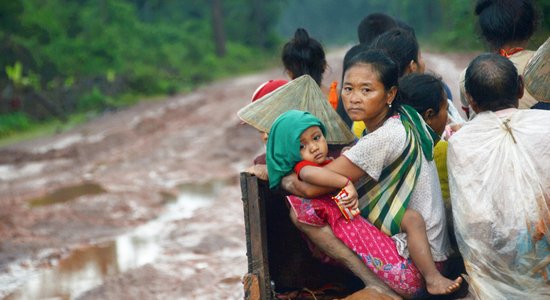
(422, 182)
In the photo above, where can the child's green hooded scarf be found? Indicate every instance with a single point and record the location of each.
(283, 143)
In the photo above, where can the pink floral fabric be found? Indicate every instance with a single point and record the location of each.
(376, 249)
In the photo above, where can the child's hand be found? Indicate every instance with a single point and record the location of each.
(351, 201)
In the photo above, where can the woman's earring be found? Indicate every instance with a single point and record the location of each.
(389, 105)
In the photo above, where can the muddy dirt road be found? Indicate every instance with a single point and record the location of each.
(142, 203)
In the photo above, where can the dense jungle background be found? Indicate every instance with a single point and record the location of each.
(64, 62)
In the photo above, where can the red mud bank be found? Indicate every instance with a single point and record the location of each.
(92, 184)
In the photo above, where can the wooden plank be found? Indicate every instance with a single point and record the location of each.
(256, 237)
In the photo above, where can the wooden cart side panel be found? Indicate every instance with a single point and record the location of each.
(256, 237)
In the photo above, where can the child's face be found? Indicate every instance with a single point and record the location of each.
(439, 121)
(313, 146)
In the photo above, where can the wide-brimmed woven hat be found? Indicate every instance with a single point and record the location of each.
(302, 93)
(537, 73)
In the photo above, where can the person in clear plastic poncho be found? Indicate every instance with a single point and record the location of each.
(499, 178)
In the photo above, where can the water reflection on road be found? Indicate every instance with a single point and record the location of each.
(88, 266)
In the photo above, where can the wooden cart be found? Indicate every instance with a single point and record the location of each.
(278, 257)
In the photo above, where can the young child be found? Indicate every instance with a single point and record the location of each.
(426, 94)
(297, 142)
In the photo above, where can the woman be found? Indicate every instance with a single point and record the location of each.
(397, 142)
(506, 26)
(402, 47)
(305, 55)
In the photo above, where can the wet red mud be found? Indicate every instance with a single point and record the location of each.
(136, 160)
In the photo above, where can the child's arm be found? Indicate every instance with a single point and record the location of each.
(325, 177)
(292, 184)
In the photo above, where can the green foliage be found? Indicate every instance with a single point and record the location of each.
(13, 123)
(89, 55)
(93, 100)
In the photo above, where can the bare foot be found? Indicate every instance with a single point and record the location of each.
(440, 285)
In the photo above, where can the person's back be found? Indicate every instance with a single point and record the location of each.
(506, 26)
(304, 55)
(499, 177)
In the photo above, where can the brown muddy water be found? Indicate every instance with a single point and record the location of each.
(84, 268)
(67, 194)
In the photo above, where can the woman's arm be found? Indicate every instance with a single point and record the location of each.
(295, 186)
(341, 165)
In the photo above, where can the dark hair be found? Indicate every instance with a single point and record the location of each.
(405, 26)
(374, 25)
(400, 45)
(422, 92)
(304, 55)
(505, 21)
(386, 69)
(493, 82)
(354, 51)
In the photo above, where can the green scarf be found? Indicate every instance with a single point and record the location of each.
(283, 143)
(384, 202)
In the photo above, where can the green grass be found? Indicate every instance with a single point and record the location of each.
(46, 128)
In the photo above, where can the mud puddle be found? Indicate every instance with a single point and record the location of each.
(87, 267)
(67, 194)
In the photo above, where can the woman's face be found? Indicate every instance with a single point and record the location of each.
(364, 95)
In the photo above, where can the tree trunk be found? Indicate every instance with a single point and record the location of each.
(218, 28)
(258, 21)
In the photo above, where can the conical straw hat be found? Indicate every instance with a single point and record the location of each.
(537, 73)
(302, 93)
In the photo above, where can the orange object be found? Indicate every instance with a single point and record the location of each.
(348, 213)
(333, 95)
(540, 230)
(509, 52)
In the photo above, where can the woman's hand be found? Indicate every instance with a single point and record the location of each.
(259, 171)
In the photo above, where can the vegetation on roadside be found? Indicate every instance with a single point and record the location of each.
(64, 61)
(64, 57)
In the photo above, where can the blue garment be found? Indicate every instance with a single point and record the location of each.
(448, 91)
(541, 105)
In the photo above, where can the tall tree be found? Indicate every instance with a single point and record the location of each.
(218, 28)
